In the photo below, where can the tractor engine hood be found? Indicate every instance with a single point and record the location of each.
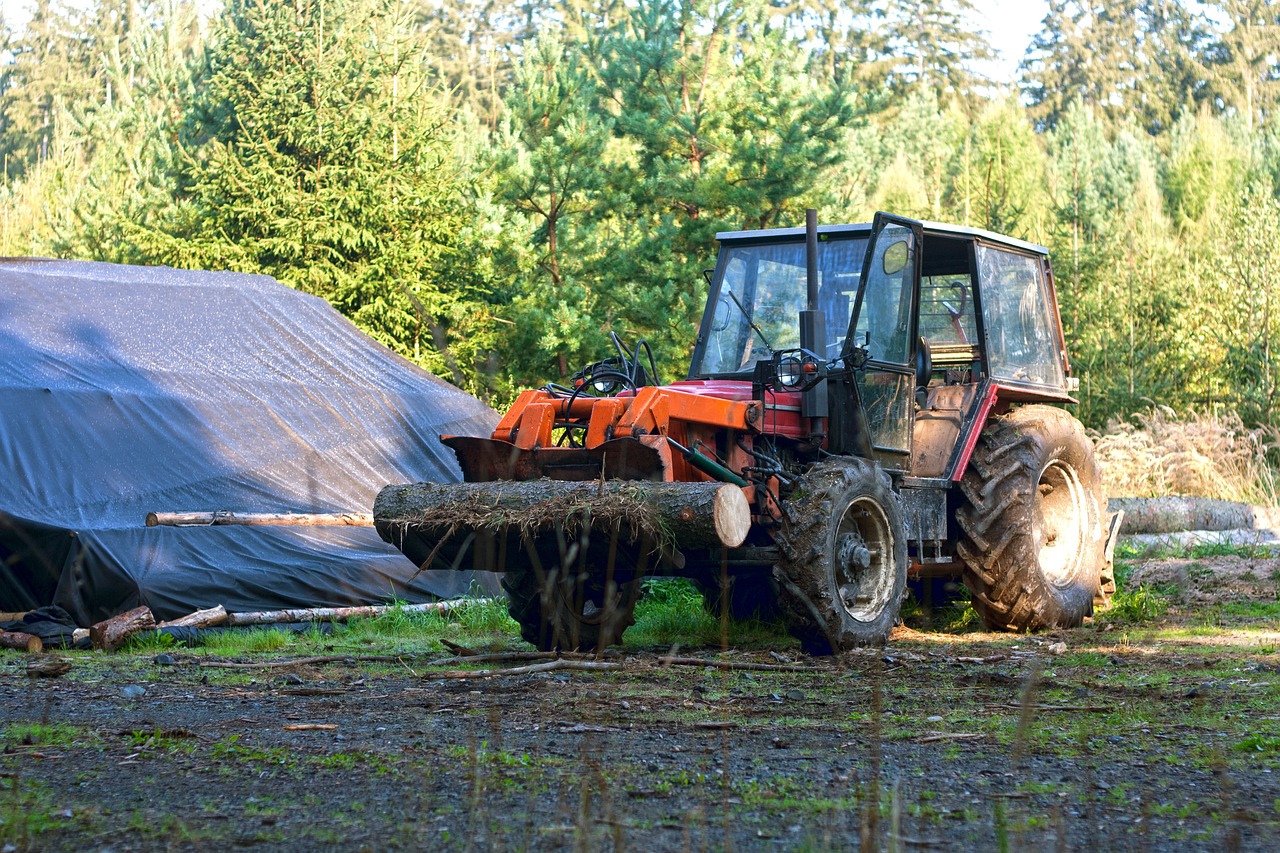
(614, 438)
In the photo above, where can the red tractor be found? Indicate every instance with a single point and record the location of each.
(865, 404)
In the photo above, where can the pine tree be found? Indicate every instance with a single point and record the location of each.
(318, 155)
(936, 47)
(1138, 61)
(728, 131)
(1245, 64)
(549, 168)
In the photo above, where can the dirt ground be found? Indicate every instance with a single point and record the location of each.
(1162, 735)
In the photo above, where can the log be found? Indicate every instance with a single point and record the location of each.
(20, 641)
(342, 614)
(1176, 513)
(682, 515)
(260, 519)
(110, 634)
(210, 618)
(13, 616)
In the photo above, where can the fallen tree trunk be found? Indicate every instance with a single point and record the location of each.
(210, 618)
(341, 614)
(110, 634)
(20, 641)
(1177, 513)
(682, 515)
(259, 519)
(1190, 538)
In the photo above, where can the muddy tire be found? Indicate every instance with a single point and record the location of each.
(1033, 522)
(576, 610)
(842, 572)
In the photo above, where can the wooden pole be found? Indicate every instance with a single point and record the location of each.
(259, 519)
(210, 618)
(341, 614)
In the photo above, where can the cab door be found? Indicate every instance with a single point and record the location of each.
(884, 324)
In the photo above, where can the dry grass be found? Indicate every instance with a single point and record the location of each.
(1159, 452)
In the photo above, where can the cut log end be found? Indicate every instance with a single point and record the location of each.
(732, 516)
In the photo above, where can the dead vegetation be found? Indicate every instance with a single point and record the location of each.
(1213, 455)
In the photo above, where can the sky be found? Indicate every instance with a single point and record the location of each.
(1010, 24)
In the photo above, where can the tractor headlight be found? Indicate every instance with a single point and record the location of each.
(791, 373)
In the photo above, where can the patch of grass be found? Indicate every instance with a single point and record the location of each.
(1251, 609)
(1136, 606)
(27, 812)
(46, 734)
(1206, 454)
(671, 611)
(252, 640)
(150, 642)
(1259, 743)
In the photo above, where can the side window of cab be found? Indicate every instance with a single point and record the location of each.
(1020, 322)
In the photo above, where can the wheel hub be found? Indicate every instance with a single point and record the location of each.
(864, 580)
(1061, 521)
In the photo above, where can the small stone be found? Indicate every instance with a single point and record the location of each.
(163, 660)
(934, 719)
(133, 692)
(291, 679)
(1058, 648)
(795, 695)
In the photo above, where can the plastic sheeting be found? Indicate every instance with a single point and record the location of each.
(127, 390)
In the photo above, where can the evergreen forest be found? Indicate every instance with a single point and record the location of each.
(490, 187)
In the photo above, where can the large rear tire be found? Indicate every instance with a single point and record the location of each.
(843, 566)
(1033, 522)
(568, 604)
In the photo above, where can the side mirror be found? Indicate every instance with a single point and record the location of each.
(720, 319)
(894, 258)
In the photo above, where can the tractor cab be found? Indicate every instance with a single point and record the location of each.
(923, 324)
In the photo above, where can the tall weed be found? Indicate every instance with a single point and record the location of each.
(1213, 455)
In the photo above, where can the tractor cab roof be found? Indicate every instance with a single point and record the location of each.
(864, 229)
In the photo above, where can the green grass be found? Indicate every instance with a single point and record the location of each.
(671, 611)
(1169, 550)
(45, 734)
(27, 812)
(1136, 606)
(252, 640)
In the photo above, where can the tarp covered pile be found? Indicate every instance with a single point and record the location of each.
(128, 390)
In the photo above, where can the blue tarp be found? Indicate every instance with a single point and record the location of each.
(128, 390)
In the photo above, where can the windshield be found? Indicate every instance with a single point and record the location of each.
(760, 294)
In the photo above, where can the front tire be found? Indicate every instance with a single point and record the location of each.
(568, 604)
(1033, 535)
(843, 567)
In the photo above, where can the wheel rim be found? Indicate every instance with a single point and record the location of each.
(1061, 512)
(864, 553)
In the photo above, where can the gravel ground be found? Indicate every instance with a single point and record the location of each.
(1160, 736)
